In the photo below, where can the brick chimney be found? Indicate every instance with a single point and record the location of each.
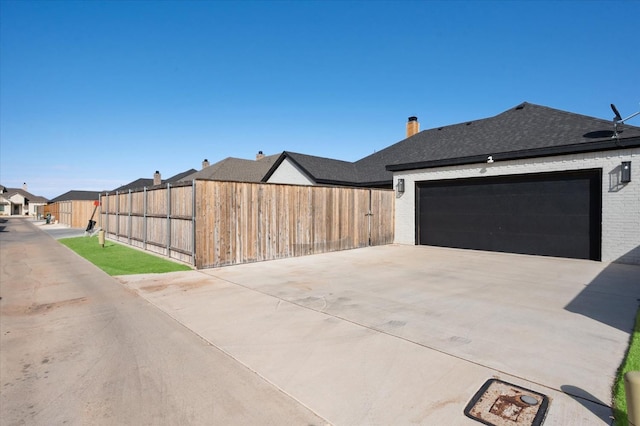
(24, 186)
(205, 163)
(413, 126)
(157, 180)
(259, 156)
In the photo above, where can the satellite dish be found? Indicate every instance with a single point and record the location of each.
(619, 121)
(618, 117)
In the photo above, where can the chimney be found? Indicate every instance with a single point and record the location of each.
(259, 156)
(413, 126)
(24, 186)
(205, 163)
(157, 180)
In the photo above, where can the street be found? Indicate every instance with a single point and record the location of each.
(77, 348)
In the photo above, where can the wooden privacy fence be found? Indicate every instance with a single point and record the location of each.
(213, 223)
(75, 214)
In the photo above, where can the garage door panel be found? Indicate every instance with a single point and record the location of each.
(555, 214)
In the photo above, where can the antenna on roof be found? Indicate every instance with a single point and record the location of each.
(619, 121)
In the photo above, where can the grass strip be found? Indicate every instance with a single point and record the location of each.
(117, 259)
(631, 363)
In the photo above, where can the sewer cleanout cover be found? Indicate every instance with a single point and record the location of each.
(499, 403)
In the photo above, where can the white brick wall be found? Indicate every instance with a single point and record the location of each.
(289, 173)
(620, 203)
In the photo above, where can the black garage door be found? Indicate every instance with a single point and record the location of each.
(552, 214)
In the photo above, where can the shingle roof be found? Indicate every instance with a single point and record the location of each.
(77, 196)
(527, 130)
(236, 169)
(322, 170)
(10, 192)
(147, 183)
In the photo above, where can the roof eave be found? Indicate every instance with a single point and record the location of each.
(606, 145)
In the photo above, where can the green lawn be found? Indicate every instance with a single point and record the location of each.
(630, 363)
(117, 259)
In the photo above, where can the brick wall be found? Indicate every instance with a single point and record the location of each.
(620, 202)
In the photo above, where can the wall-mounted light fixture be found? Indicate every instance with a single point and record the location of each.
(490, 159)
(400, 186)
(625, 172)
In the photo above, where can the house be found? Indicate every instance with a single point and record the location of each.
(532, 180)
(155, 181)
(368, 172)
(19, 202)
(235, 169)
(302, 169)
(75, 195)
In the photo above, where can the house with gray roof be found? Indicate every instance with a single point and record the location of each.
(302, 169)
(76, 195)
(19, 202)
(530, 180)
(235, 169)
(157, 180)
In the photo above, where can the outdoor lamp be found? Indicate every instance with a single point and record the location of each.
(400, 186)
(625, 175)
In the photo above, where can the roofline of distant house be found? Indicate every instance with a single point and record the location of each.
(276, 164)
(606, 145)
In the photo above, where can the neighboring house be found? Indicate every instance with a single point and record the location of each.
(19, 202)
(301, 169)
(77, 196)
(295, 168)
(235, 169)
(532, 180)
(368, 172)
(157, 180)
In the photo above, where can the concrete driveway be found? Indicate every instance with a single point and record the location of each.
(408, 334)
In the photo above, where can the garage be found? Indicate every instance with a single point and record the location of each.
(552, 214)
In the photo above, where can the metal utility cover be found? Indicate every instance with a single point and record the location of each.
(499, 403)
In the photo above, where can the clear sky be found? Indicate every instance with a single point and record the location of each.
(96, 94)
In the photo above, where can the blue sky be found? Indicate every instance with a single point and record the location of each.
(95, 94)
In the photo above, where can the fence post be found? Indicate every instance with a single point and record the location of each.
(130, 220)
(168, 220)
(106, 213)
(193, 222)
(144, 219)
(632, 394)
(117, 216)
(369, 214)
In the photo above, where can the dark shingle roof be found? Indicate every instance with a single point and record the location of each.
(525, 131)
(321, 170)
(236, 169)
(147, 183)
(77, 196)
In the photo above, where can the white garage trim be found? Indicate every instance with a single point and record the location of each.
(620, 202)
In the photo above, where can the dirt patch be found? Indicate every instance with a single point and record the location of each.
(34, 309)
(154, 287)
(184, 285)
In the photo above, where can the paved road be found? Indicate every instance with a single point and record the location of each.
(77, 348)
